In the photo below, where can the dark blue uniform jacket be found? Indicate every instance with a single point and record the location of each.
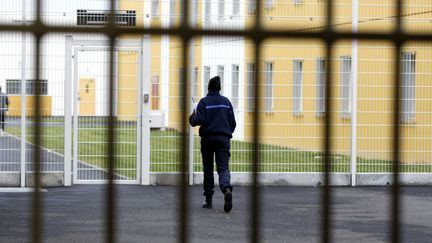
(215, 115)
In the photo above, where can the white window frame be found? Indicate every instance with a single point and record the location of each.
(180, 86)
(172, 12)
(345, 87)
(207, 11)
(407, 88)
(206, 78)
(235, 86)
(155, 8)
(221, 9)
(297, 87)
(268, 85)
(269, 3)
(236, 8)
(320, 85)
(251, 7)
(221, 74)
(195, 83)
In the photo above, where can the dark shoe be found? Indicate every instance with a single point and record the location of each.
(208, 202)
(228, 201)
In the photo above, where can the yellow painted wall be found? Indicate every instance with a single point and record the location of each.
(87, 94)
(127, 81)
(15, 105)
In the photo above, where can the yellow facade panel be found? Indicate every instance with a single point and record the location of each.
(15, 105)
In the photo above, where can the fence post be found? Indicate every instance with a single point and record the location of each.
(23, 99)
(354, 73)
(192, 94)
(68, 112)
(145, 117)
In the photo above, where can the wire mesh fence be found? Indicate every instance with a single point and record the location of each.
(292, 74)
(304, 92)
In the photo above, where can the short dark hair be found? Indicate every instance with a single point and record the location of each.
(214, 84)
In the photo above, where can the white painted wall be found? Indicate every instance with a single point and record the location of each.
(226, 51)
(54, 12)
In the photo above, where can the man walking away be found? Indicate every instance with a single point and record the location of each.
(215, 116)
(4, 104)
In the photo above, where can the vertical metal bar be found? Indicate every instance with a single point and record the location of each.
(184, 236)
(255, 199)
(354, 78)
(191, 92)
(23, 98)
(146, 79)
(396, 207)
(326, 218)
(111, 234)
(75, 116)
(139, 117)
(67, 112)
(37, 207)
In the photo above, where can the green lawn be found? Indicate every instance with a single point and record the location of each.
(166, 157)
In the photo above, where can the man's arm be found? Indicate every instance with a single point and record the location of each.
(233, 123)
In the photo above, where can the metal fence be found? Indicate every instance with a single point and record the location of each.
(318, 86)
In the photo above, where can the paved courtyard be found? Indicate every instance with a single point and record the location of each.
(150, 214)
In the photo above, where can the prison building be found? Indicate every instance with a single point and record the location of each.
(292, 74)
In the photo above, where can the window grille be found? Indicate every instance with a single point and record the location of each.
(13, 87)
(101, 17)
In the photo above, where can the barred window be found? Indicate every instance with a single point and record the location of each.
(172, 12)
(155, 8)
(195, 83)
(180, 88)
(102, 17)
(221, 10)
(207, 9)
(345, 87)
(220, 73)
(269, 3)
(268, 86)
(251, 83)
(251, 6)
(297, 86)
(407, 106)
(13, 87)
(206, 78)
(236, 8)
(320, 85)
(235, 86)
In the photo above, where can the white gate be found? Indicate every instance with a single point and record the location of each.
(91, 110)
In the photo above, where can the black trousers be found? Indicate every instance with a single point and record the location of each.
(2, 119)
(216, 146)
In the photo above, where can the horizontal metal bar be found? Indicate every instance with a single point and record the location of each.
(251, 33)
(91, 44)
